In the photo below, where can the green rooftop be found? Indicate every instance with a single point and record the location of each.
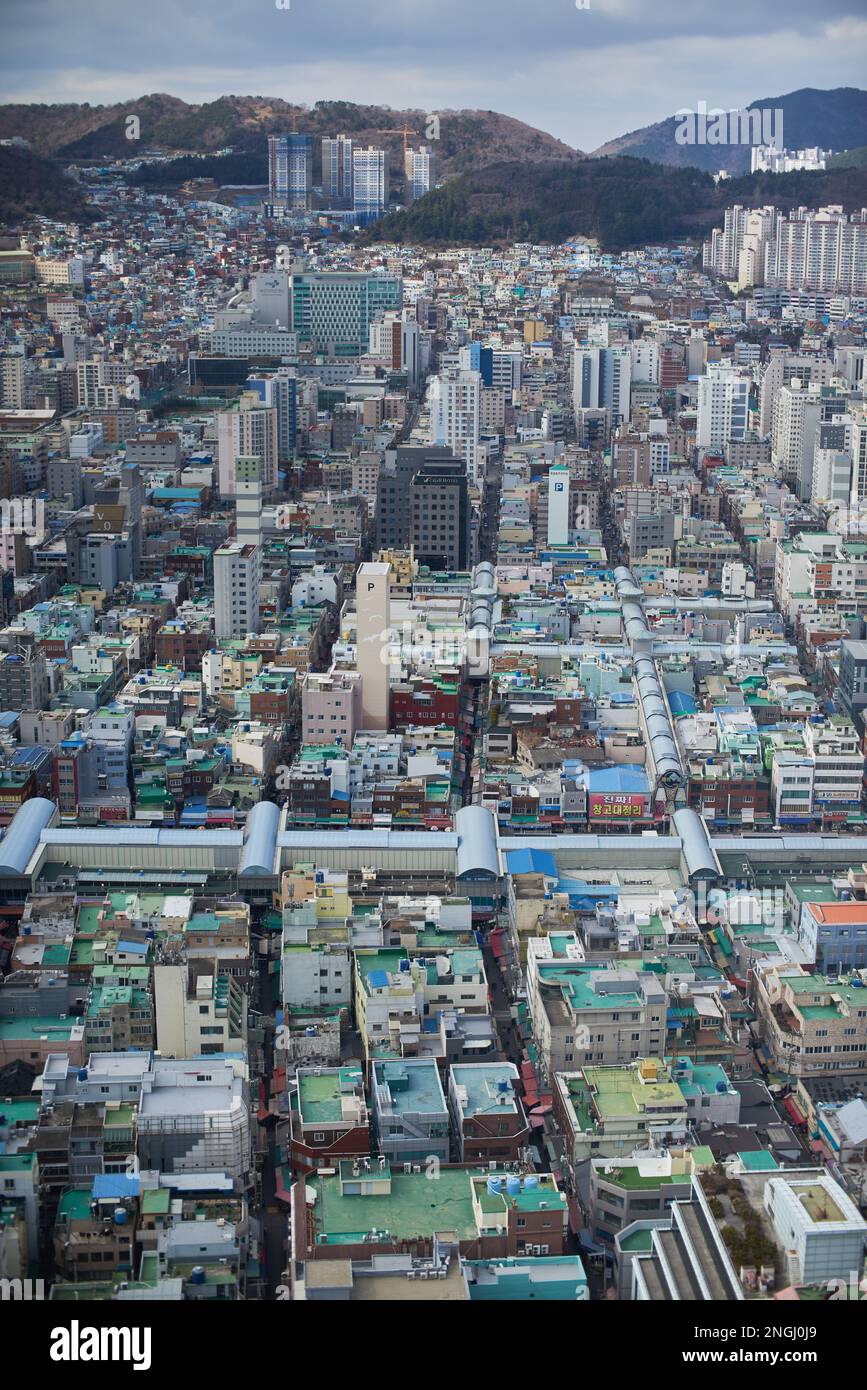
(414, 1207)
(74, 1205)
(320, 1096)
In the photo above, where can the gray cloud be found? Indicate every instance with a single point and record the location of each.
(584, 75)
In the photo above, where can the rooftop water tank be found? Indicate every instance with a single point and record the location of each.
(513, 1186)
(722, 1087)
(82, 1073)
(495, 1186)
(198, 1275)
(531, 1183)
(120, 1217)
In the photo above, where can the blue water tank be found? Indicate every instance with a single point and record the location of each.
(531, 1183)
(82, 1073)
(404, 966)
(495, 1186)
(198, 1275)
(513, 1186)
(502, 1087)
(722, 1087)
(120, 1217)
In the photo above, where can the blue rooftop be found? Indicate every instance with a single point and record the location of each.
(681, 703)
(531, 861)
(115, 1186)
(625, 778)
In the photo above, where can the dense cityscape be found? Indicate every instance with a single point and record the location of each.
(433, 683)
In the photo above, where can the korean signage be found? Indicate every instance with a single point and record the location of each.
(620, 806)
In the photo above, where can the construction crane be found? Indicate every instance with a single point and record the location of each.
(405, 132)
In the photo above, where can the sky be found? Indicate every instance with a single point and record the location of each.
(585, 75)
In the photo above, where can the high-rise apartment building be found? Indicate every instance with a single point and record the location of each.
(854, 426)
(455, 398)
(420, 172)
(290, 170)
(819, 250)
(11, 381)
(251, 429)
(794, 435)
(723, 398)
(601, 380)
(280, 391)
(722, 252)
(782, 367)
(337, 169)
(370, 182)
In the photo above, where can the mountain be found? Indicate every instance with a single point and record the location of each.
(622, 202)
(467, 139)
(32, 185)
(850, 159)
(833, 120)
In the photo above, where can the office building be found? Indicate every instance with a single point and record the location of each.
(817, 1220)
(236, 590)
(269, 292)
(332, 310)
(423, 501)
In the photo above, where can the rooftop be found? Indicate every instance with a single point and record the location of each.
(413, 1207)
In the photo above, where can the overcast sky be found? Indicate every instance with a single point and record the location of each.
(585, 75)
